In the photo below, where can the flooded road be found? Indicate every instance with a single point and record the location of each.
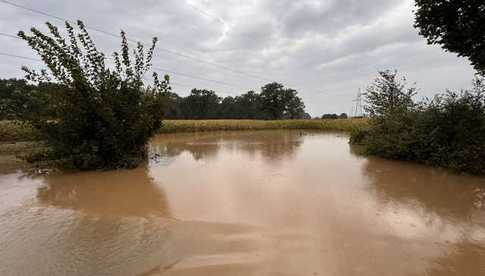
(245, 203)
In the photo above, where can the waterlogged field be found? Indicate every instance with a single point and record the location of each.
(268, 202)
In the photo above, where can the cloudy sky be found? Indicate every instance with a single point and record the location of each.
(326, 49)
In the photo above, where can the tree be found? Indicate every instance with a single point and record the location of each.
(329, 116)
(12, 97)
(249, 105)
(274, 102)
(458, 26)
(172, 105)
(334, 116)
(101, 117)
(228, 109)
(389, 95)
(294, 106)
(279, 102)
(201, 104)
(343, 116)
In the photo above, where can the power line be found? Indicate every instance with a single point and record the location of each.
(194, 77)
(20, 57)
(156, 68)
(9, 35)
(172, 52)
(38, 60)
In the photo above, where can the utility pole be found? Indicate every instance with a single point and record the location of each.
(357, 105)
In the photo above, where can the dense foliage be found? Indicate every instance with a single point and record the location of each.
(458, 26)
(275, 102)
(446, 131)
(20, 99)
(96, 117)
(11, 97)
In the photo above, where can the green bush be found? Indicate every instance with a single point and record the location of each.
(451, 131)
(96, 117)
(447, 131)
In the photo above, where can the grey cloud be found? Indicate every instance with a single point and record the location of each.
(326, 49)
(330, 16)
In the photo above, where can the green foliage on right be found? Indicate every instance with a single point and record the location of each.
(447, 131)
(456, 25)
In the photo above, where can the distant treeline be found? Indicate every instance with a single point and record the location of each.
(334, 116)
(274, 102)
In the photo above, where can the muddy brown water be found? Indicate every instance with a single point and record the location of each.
(245, 203)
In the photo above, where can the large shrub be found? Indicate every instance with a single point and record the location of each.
(450, 131)
(99, 117)
(447, 131)
(389, 103)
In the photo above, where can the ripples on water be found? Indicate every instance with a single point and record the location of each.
(245, 203)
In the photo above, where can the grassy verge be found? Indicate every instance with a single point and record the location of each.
(174, 126)
(14, 132)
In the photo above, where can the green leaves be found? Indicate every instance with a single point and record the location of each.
(389, 95)
(99, 117)
(447, 131)
(458, 26)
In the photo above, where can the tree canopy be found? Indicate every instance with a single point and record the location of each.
(457, 25)
(275, 102)
(388, 95)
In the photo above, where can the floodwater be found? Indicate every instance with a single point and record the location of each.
(245, 203)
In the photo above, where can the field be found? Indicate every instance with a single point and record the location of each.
(13, 132)
(173, 126)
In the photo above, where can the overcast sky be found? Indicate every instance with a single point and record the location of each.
(326, 49)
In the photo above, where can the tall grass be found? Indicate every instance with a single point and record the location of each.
(349, 125)
(14, 132)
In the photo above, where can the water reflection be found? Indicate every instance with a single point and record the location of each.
(270, 145)
(464, 258)
(116, 193)
(450, 196)
(441, 210)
